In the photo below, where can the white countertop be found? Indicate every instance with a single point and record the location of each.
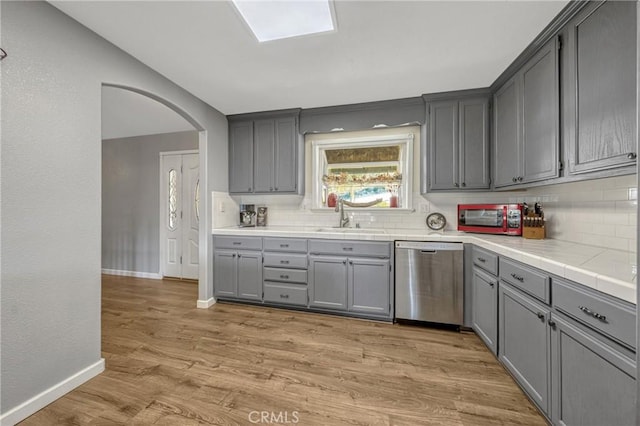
(613, 272)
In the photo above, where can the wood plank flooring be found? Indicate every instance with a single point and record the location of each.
(168, 363)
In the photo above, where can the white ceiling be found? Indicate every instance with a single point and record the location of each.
(382, 49)
(126, 114)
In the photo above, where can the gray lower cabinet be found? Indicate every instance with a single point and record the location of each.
(485, 308)
(238, 274)
(361, 285)
(593, 382)
(458, 143)
(599, 81)
(368, 286)
(328, 282)
(526, 141)
(524, 343)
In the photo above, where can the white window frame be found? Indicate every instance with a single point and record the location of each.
(406, 160)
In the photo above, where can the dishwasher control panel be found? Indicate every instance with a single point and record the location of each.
(428, 245)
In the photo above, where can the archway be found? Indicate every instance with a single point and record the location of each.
(204, 294)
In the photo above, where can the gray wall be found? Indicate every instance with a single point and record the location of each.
(131, 199)
(50, 190)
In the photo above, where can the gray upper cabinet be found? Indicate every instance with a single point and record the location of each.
(525, 340)
(506, 130)
(526, 122)
(264, 148)
(458, 143)
(599, 80)
(263, 154)
(241, 156)
(368, 286)
(593, 382)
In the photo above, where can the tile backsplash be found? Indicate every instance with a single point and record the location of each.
(598, 212)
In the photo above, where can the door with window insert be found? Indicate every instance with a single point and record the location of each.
(179, 215)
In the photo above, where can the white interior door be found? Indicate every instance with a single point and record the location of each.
(180, 215)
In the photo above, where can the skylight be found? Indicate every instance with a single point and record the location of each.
(274, 20)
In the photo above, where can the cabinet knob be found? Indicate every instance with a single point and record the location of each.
(551, 323)
(351, 262)
(632, 156)
(520, 178)
(456, 184)
(515, 179)
(491, 285)
(233, 255)
(276, 188)
(344, 262)
(239, 255)
(249, 189)
(270, 189)
(464, 184)
(540, 315)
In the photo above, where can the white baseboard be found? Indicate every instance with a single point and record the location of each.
(27, 408)
(135, 274)
(204, 304)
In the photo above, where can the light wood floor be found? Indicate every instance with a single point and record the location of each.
(168, 363)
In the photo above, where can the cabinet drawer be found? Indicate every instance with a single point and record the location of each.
(281, 260)
(241, 243)
(285, 244)
(527, 279)
(285, 275)
(350, 248)
(485, 260)
(604, 314)
(285, 293)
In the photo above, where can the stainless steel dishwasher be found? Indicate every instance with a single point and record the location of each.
(429, 281)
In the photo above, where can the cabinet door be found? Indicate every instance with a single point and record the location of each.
(368, 285)
(506, 139)
(540, 115)
(443, 145)
(524, 343)
(241, 157)
(250, 275)
(286, 170)
(224, 270)
(328, 282)
(474, 143)
(593, 384)
(600, 89)
(485, 308)
(264, 143)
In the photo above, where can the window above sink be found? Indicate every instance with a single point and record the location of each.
(375, 169)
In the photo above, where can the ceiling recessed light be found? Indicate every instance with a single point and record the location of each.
(274, 20)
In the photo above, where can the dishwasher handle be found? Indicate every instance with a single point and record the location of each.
(429, 251)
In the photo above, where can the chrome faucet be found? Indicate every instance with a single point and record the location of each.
(344, 219)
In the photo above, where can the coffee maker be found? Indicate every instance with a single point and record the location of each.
(247, 215)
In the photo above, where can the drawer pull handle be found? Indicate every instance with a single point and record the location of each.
(540, 315)
(518, 277)
(284, 296)
(284, 277)
(347, 248)
(237, 243)
(284, 262)
(284, 245)
(482, 259)
(596, 315)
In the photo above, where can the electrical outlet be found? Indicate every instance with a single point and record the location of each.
(221, 207)
(424, 208)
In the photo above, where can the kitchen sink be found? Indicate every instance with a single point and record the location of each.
(352, 230)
